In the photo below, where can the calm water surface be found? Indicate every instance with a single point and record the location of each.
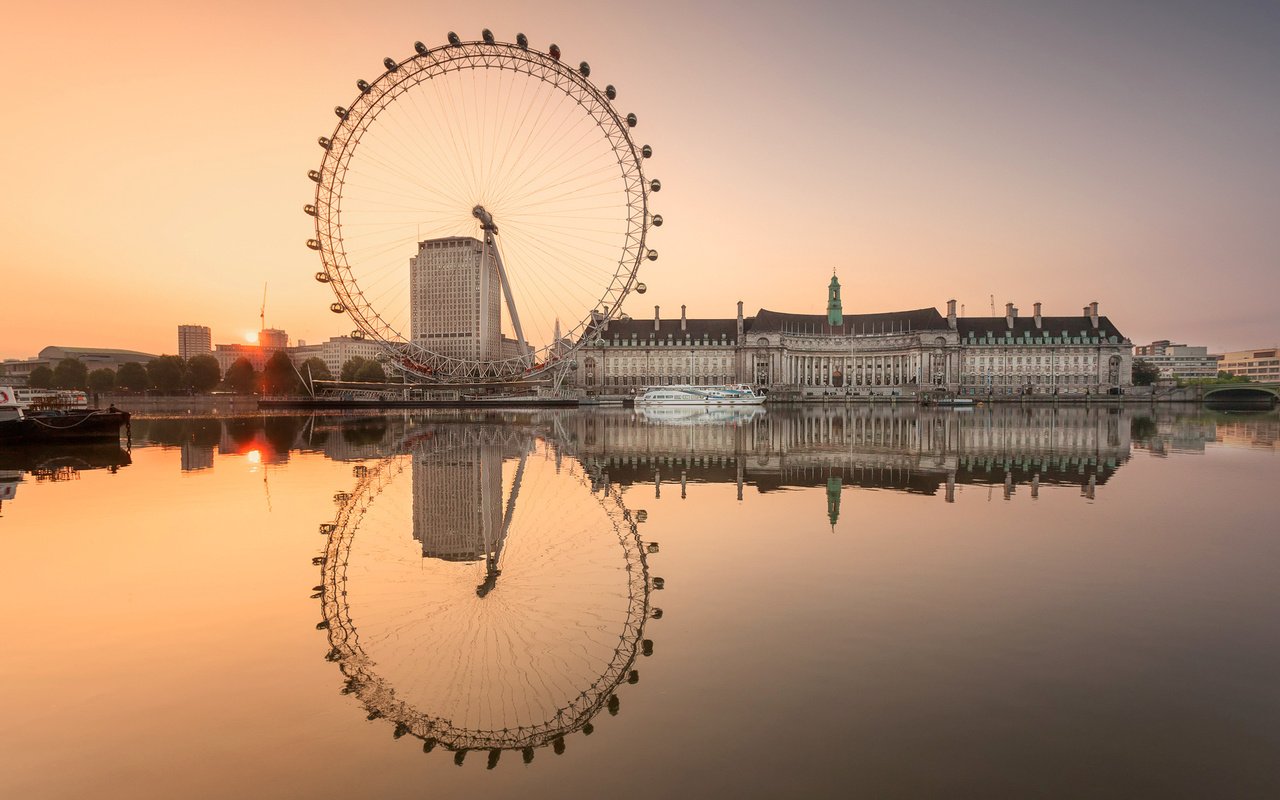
(820, 602)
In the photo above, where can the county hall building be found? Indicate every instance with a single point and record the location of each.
(894, 353)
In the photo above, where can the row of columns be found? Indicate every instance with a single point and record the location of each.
(815, 370)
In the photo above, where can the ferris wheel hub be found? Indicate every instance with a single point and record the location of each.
(486, 219)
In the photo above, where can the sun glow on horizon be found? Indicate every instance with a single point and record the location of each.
(251, 337)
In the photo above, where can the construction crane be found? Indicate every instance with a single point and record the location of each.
(262, 313)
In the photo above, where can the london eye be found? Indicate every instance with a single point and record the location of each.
(481, 592)
(480, 207)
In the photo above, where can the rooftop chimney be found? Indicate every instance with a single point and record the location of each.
(1010, 313)
(656, 318)
(684, 323)
(951, 314)
(1093, 313)
(1039, 322)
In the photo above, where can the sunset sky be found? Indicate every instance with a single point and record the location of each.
(155, 156)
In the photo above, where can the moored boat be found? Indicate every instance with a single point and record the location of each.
(686, 395)
(20, 424)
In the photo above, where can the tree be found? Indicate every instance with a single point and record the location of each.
(70, 374)
(132, 376)
(317, 369)
(312, 370)
(241, 376)
(167, 373)
(203, 373)
(1144, 372)
(40, 378)
(351, 367)
(102, 380)
(372, 372)
(278, 375)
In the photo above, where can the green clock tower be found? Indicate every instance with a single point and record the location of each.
(835, 313)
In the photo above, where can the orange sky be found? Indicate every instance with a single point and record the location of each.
(156, 157)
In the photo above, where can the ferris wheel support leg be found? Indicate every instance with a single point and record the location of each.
(506, 292)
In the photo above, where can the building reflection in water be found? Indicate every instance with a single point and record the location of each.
(906, 448)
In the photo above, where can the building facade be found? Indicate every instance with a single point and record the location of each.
(455, 299)
(1262, 365)
(895, 353)
(1178, 361)
(194, 340)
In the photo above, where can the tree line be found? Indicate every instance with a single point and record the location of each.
(201, 374)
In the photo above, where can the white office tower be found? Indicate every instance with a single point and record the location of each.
(455, 306)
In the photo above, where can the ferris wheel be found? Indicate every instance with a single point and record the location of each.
(481, 207)
(513, 613)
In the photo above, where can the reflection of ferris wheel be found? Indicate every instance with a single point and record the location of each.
(479, 207)
(500, 623)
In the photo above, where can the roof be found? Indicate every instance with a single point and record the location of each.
(1054, 326)
(694, 328)
(60, 351)
(913, 320)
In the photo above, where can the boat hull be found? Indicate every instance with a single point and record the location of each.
(750, 401)
(70, 426)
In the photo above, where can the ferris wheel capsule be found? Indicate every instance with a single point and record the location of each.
(631, 120)
(655, 185)
(390, 64)
(554, 51)
(611, 92)
(337, 308)
(420, 48)
(314, 244)
(322, 277)
(363, 86)
(357, 334)
(522, 41)
(585, 69)
(656, 221)
(309, 210)
(340, 112)
(652, 255)
(453, 39)
(646, 151)
(641, 288)
(314, 174)
(487, 35)
(324, 142)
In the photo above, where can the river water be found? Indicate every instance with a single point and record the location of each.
(820, 602)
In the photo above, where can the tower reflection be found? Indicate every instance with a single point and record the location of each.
(482, 591)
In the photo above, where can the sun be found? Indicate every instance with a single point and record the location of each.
(251, 337)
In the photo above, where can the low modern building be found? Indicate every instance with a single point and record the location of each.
(893, 353)
(1178, 361)
(1262, 364)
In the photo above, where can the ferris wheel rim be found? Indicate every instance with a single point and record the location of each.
(379, 697)
(376, 96)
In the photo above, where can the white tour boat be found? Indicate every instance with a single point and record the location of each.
(682, 395)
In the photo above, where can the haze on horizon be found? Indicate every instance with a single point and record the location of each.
(1124, 152)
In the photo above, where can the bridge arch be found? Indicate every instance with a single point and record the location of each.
(1242, 393)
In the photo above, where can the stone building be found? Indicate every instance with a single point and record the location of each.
(893, 353)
